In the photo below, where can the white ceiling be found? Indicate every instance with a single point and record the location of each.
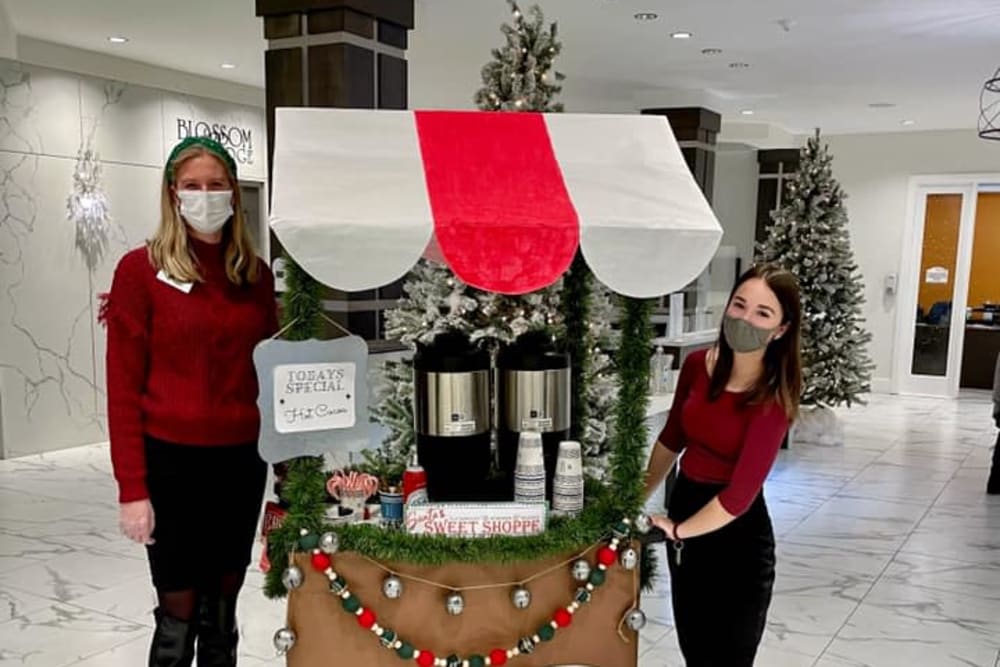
(928, 57)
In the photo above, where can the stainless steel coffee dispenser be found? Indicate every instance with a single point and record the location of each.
(533, 394)
(452, 416)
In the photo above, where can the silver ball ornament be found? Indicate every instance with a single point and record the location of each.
(581, 570)
(521, 597)
(284, 640)
(292, 578)
(455, 604)
(329, 543)
(628, 558)
(643, 523)
(636, 620)
(392, 587)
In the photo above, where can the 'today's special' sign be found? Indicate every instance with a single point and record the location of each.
(314, 397)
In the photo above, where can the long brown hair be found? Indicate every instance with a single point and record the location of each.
(169, 249)
(781, 380)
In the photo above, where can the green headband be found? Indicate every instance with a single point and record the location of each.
(211, 145)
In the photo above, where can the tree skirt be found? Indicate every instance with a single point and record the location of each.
(817, 426)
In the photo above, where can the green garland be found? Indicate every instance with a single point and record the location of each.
(630, 437)
(576, 314)
(305, 489)
(302, 303)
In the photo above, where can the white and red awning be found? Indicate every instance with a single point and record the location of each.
(505, 198)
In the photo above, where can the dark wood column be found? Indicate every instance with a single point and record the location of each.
(696, 130)
(346, 54)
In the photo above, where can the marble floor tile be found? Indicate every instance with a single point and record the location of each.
(70, 576)
(62, 634)
(888, 554)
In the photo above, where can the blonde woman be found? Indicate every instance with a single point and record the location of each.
(183, 316)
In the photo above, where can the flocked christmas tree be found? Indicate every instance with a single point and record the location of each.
(519, 78)
(809, 237)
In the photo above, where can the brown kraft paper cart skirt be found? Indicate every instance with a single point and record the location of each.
(328, 635)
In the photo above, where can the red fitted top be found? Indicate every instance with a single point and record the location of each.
(723, 441)
(180, 365)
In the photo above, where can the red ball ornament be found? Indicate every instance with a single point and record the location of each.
(606, 556)
(562, 618)
(320, 561)
(426, 659)
(498, 656)
(366, 619)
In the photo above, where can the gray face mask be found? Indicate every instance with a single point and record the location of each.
(743, 336)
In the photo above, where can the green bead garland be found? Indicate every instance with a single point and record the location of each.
(477, 661)
(351, 604)
(338, 585)
(597, 577)
(546, 632)
(405, 651)
(309, 542)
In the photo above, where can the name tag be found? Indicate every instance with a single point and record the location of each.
(184, 287)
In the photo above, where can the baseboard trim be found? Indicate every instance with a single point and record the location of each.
(881, 385)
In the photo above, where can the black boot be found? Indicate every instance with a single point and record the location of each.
(173, 642)
(217, 634)
(993, 485)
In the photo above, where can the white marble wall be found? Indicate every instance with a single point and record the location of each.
(51, 349)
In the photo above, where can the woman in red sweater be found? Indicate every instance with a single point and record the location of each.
(732, 408)
(184, 314)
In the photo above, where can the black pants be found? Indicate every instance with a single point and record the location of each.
(722, 586)
(206, 503)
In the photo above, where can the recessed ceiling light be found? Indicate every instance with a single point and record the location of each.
(681, 35)
(881, 105)
(711, 52)
(746, 112)
(908, 123)
(739, 65)
(227, 66)
(646, 16)
(114, 39)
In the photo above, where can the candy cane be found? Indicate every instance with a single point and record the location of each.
(339, 483)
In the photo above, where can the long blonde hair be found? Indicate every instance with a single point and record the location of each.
(169, 249)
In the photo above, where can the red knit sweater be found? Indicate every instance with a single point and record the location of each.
(723, 441)
(179, 365)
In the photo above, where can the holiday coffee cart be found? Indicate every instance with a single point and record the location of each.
(506, 201)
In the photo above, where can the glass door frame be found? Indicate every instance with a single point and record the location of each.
(904, 381)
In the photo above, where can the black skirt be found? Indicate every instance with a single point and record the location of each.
(206, 503)
(721, 588)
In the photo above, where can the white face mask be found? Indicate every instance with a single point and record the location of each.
(206, 211)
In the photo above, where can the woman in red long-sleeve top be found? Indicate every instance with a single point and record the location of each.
(183, 317)
(732, 408)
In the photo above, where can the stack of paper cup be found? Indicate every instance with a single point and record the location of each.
(529, 474)
(567, 487)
